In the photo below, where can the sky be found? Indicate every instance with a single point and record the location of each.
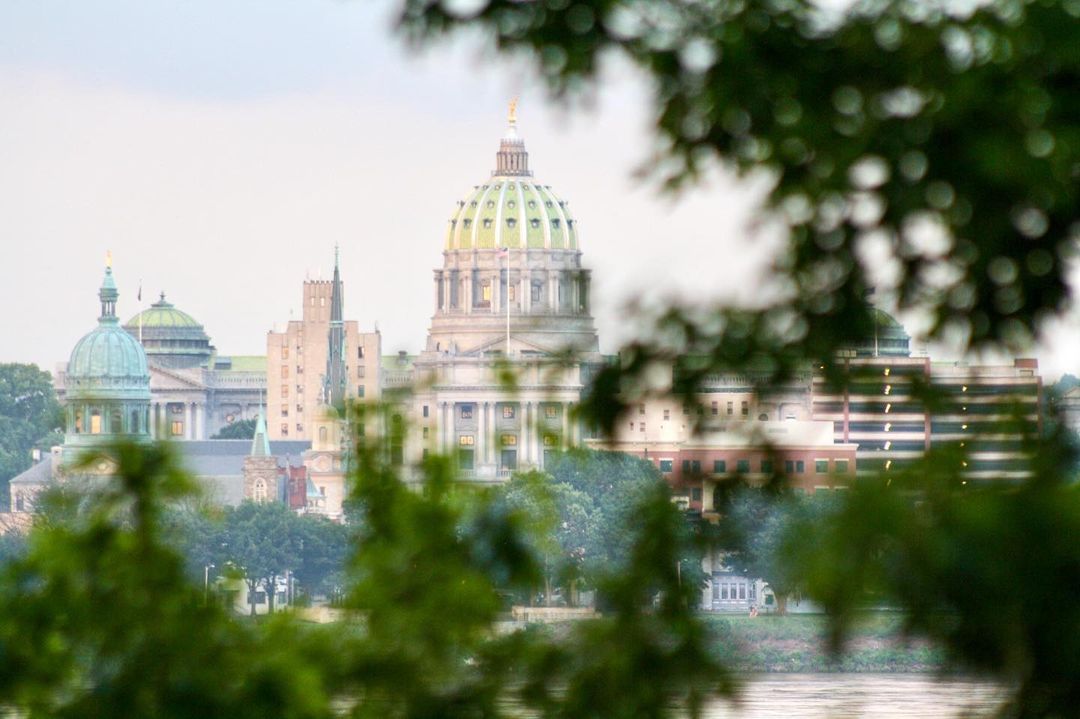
(220, 149)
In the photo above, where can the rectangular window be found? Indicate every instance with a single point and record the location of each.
(686, 466)
(800, 467)
(695, 466)
(284, 411)
(425, 410)
(715, 409)
(536, 292)
(299, 428)
(666, 466)
(766, 466)
(177, 429)
(821, 466)
(642, 426)
(742, 466)
(695, 494)
(284, 390)
(789, 467)
(686, 408)
(285, 352)
(719, 466)
(641, 409)
(299, 389)
(742, 591)
(551, 412)
(284, 371)
(513, 293)
(730, 408)
(841, 466)
(509, 440)
(299, 369)
(485, 292)
(745, 409)
(466, 440)
(425, 432)
(466, 411)
(723, 590)
(360, 391)
(360, 352)
(360, 371)
(284, 430)
(667, 414)
(299, 408)
(508, 411)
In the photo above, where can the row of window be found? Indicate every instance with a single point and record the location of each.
(509, 411)
(300, 351)
(765, 466)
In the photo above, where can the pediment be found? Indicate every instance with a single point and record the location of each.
(164, 379)
(520, 344)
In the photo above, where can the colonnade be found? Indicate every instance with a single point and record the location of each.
(192, 414)
(528, 428)
(575, 283)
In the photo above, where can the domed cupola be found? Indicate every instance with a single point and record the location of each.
(512, 281)
(107, 381)
(512, 209)
(171, 337)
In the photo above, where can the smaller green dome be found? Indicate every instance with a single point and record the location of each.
(108, 362)
(162, 314)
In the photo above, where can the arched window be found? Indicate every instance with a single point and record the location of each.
(78, 421)
(322, 434)
(258, 492)
(95, 421)
(116, 422)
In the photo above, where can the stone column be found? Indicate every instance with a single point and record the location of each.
(566, 423)
(204, 430)
(187, 420)
(491, 430)
(526, 423)
(481, 433)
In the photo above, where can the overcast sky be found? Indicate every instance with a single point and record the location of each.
(220, 149)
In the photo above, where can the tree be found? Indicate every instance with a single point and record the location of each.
(99, 618)
(30, 417)
(263, 541)
(322, 549)
(562, 520)
(242, 429)
(929, 150)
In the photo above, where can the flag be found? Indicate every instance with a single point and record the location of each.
(139, 295)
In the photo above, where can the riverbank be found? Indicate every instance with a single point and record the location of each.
(797, 644)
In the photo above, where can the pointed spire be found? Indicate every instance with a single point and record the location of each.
(108, 293)
(335, 382)
(512, 159)
(260, 443)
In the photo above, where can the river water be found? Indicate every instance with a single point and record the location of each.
(882, 696)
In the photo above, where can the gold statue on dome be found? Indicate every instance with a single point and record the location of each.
(513, 111)
(108, 258)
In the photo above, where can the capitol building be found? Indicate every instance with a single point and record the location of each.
(511, 349)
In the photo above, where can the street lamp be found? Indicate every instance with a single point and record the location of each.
(206, 583)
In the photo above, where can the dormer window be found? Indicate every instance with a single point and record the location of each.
(555, 224)
(547, 203)
(535, 223)
(466, 223)
(532, 204)
(472, 204)
(511, 222)
(487, 223)
(490, 204)
(511, 204)
(569, 224)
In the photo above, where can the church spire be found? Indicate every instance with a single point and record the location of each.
(260, 443)
(335, 381)
(512, 159)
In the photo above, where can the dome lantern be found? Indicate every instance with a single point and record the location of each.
(512, 160)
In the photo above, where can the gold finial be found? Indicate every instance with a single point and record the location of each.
(108, 259)
(513, 111)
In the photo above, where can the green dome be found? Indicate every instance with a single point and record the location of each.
(108, 361)
(162, 314)
(511, 209)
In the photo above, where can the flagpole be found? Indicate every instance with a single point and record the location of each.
(507, 251)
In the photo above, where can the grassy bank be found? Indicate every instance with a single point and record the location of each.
(796, 643)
